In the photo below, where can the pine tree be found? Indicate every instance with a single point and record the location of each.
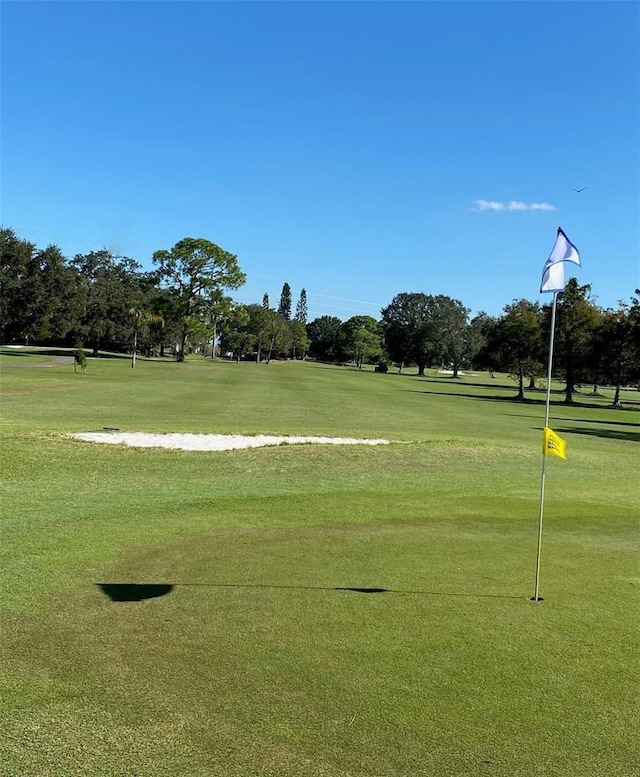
(301, 308)
(265, 301)
(284, 308)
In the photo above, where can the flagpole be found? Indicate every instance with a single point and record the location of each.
(536, 597)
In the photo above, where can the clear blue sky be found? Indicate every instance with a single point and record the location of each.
(358, 149)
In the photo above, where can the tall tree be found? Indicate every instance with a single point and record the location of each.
(408, 326)
(576, 319)
(614, 343)
(284, 307)
(258, 327)
(235, 335)
(517, 341)
(111, 287)
(265, 301)
(361, 339)
(193, 269)
(301, 308)
(450, 328)
(480, 328)
(299, 338)
(20, 286)
(164, 328)
(276, 331)
(324, 338)
(140, 318)
(62, 300)
(215, 307)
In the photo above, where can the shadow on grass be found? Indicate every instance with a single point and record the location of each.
(514, 399)
(609, 434)
(52, 351)
(462, 382)
(584, 420)
(137, 592)
(9, 352)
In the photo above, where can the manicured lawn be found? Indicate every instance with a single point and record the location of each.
(262, 659)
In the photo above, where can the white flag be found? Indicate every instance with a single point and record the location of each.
(553, 270)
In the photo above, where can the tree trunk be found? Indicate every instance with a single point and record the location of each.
(455, 370)
(568, 393)
(183, 345)
(532, 384)
(270, 351)
(213, 342)
(135, 345)
(616, 397)
(400, 366)
(520, 383)
(421, 369)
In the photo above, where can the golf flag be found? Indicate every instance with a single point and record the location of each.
(553, 270)
(553, 444)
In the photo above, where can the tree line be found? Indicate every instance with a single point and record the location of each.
(109, 303)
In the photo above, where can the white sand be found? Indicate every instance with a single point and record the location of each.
(212, 442)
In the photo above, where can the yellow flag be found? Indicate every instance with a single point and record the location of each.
(553, 444)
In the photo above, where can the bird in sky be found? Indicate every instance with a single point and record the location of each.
(579, 190)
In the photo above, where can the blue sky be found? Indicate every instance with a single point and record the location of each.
(357, 149)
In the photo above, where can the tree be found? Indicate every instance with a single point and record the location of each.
(139, 318)
(276, 331)
(480, 328)
(62, 301)
(301, 308)
(576, 319)
(235, 335)
(284, 308)
(164, 328)
(517, 341)
(265, 301)
(111, 286)
(407, 324)
(215, 307)
(614, 343)
(451, 329)
(298, 337)
(20, 286)
(361, 339)
(324, 338)
(193, 269)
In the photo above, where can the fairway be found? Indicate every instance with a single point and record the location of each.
(320, 610)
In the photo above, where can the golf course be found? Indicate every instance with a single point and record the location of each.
(312, 610)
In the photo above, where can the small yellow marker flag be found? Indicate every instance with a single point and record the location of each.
(553, 444)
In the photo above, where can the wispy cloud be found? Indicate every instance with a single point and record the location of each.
(481, 205)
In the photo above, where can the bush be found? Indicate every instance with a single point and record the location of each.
(80, 360)
(382, 367)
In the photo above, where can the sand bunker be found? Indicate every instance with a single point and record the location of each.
(212, 442)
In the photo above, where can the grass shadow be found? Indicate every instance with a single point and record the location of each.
(609, 434)
(137, 592)
(585, 420)
(536, 402)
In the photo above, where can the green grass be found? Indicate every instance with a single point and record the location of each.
(256, 664)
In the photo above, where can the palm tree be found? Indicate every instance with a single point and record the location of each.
(140, 316)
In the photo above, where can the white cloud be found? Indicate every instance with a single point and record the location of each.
(541, 206)
(486, 205)
(481, 205)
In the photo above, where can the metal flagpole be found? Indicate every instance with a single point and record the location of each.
(536, 597)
